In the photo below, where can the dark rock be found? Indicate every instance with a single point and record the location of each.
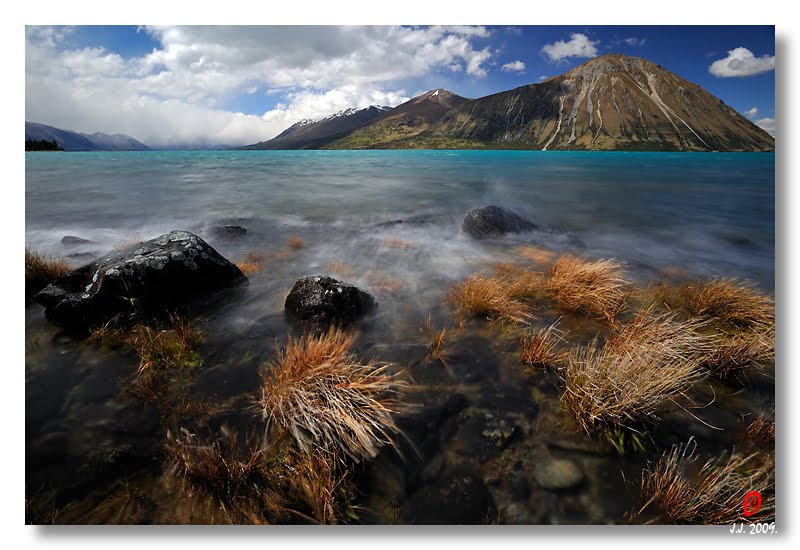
(227, 230)
(165, 271)
(316, 303)
(70, 240)
(493, 221)
(485, 433)
(457, 498)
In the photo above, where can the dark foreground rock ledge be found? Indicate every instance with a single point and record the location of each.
(316, 303)
(493, 221)
(165, 271)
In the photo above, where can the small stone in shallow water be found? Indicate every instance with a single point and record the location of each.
(557, 474)
(178, 256)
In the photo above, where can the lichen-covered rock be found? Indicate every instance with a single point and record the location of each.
(162, 272)
(316, 303)
(493, 221)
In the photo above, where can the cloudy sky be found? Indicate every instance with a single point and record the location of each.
(180, 86)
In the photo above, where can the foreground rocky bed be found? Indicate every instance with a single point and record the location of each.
(476, 434)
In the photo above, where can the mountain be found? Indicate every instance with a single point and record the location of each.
(309, 134)
(74, 141)
(611, 102)
(404, 121)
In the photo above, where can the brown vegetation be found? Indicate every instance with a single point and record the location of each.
(595, 288)
(321, 394)
(295, 243)
(536, 254)
(342, 269)
(732, 303)
(490, 297)
(253, 262)
(649, 361)
(160, 349)
(540, 347)
(394, 242)
(735, 355)
(715, 495)
(40, 271)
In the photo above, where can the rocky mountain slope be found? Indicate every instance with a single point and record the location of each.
(309, 134)
(75, 141)
(404, 121)
(611, 102)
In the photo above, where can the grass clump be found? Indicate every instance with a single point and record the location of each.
(714, 495)
(295, 243)
(161, 349)
(253, 262)
(736, 354)
(227, 480)
(490, 297)
(760, 434)
(435, 338)
(732, 303)
(540, 347)
(321, 394)
(41, 270)
(649, 361)
(595, 288)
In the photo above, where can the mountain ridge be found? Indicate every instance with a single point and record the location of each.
(76, 141)
(610, 102)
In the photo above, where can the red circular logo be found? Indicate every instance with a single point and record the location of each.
(751, 504)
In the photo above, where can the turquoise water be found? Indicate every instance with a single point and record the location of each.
(482, 415)
(712, 214)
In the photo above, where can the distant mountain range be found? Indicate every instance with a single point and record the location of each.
(309, 134)
(74, 141)
(611, 102)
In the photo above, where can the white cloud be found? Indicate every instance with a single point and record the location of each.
(752, 112)
(171, 95)
(543, 78)
(634, 41)
(579, 45)
(515, 66)
(768, 124)
(742, 62)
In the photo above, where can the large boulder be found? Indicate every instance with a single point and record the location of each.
(166, 271)
(493, 221)
(316, 303)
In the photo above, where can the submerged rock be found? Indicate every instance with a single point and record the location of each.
(557, 474)
(227, 230)
(162, 272)
(316, 303)
(493, 221)
(457, 498)
(71, 239)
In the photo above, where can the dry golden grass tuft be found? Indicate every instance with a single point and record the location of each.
(672, 338)
(735, 354)
(760, 435)
(230, 481)
(435, 340)
(253, 262)
(537, 255)
(394, 242)
(40, 271)
(321, 394)
(490, 297)
(295, 243)
(384, 284)
(730, 302)
(715, 495)
(129, 245)
(340, 268)
(651, 360)
(541, 347)
(596, 288)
